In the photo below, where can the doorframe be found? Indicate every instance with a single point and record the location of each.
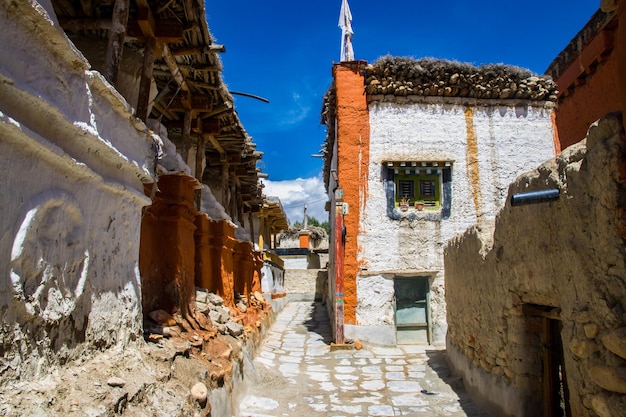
(429, 279)
(554, 374)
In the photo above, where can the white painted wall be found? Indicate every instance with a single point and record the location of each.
(511, 139)
(72, 165)
(272, 278)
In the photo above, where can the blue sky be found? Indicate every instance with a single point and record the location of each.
(284, 51)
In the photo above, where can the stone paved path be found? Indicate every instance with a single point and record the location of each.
(298, 375)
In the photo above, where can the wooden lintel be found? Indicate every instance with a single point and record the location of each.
(165, 31)
(548, 312)
(146, 21)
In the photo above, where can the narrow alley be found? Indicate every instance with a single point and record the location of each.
(297, 374)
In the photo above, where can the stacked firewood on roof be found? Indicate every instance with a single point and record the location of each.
(399, 76)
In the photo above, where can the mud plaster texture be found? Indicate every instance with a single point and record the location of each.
(188, 373)
(73, 161)
(482, 141)
(566, 255)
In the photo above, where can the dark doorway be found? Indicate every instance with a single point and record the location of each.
(555, 392)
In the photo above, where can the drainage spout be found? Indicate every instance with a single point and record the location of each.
(532, 197)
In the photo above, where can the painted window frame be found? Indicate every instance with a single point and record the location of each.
(399, 173)
(431, 200)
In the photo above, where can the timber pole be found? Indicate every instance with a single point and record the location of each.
(339, 287)
(145, 83)
(621, 55)
(115, 47)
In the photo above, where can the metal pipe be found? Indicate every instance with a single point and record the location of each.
(532, 197)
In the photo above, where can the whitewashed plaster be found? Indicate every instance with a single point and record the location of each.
(73, 161)
(272, 278)
(511, 139)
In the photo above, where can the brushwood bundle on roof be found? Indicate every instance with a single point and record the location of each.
(399, 76)
(317, 233)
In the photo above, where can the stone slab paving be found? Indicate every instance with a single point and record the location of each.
(296, 374)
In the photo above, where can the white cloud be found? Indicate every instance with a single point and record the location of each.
(299, 110)
(294, 194)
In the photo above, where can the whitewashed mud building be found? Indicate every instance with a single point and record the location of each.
(417, 151)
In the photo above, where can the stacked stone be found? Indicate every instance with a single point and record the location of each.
(431, 77)
(214, 317)
(212, 305)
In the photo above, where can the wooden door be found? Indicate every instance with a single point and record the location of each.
(412, 304)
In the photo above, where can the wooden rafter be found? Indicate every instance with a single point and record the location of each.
(199, 50)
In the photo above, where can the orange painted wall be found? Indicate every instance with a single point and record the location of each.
(258, 271)
(244, 267)
(594, 84)
(305, 239)
(167, 247)
(587, 103)
(215, 244)
(353, 135)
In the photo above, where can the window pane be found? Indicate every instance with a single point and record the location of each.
(406, 189)
(427, 188)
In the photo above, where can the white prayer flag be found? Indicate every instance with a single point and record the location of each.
(345, 23)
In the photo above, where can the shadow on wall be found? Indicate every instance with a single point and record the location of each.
(438, 363)
(319, 323)
(321, 287)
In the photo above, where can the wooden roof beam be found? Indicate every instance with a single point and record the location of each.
(199, 50)
(198, 104)
(85, 24)
(201, 68)
(174, 69)
(146, 19)
(216, 144)
(165, 111)
(165, 31)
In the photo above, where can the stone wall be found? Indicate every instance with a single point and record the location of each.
(565, 258)
(305, 284)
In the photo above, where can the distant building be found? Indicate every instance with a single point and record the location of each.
(588, 70)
